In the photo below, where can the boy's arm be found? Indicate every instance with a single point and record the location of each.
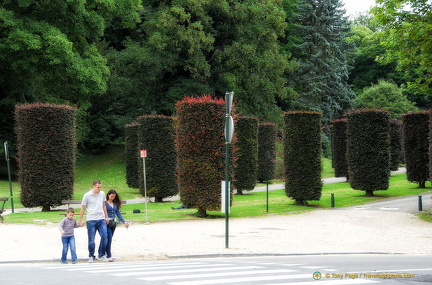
(61, 226)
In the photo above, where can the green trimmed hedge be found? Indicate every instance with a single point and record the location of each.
(368, 149)
(302, 155)
(46, 153)
(246, 145)
(156, 135)
(132, 158)
(395, 144)
(267, 133)
(416, 142)
(339, 142)
(200, 143)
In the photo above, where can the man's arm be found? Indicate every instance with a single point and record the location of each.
(105, 211)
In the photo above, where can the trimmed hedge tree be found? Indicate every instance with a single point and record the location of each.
(246, 145)
(416, 142)
(156, 134)
(267, 133)
(200, 145)
(395, 144)
(46, 153)
(430, 144)
(132, 157)
(368, 150)
(339, 138)
(302, 156)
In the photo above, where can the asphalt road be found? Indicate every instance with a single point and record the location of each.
(408, 204)
(264, 270)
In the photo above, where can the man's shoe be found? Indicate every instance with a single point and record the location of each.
(91, 259)
(103, 258)
(74, 261)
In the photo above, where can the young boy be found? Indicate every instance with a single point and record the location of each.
(66, 227)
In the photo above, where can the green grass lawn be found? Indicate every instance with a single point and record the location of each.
(110, 170)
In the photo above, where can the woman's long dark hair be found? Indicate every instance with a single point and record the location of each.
(117, 199)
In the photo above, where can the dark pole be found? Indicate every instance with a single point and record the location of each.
(420, 204)
(267, 177)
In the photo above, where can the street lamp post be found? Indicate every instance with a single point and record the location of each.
(229, 131)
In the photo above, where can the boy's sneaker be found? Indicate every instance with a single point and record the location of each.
(74, 261)
(64, 262)
(103, 258)
(91, 259)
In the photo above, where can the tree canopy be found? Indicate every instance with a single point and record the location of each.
(49, 51)
(406, 37)
(322, 77)
(387, 96)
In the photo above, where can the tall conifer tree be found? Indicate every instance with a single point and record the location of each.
(321, 79)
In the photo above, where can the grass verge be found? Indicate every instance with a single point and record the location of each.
(247, 205)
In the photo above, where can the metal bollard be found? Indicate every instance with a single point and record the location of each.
(420, 206)
(332, 200)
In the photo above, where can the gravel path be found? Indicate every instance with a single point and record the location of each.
(317, 232)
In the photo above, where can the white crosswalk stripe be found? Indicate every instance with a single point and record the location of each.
(330, 282)
(183, 271)
(213, 275)
(209, 272)
(243, 279)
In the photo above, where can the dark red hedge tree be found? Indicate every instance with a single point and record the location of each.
(246, 164)
(302, 155)
(416, 143)
(368, 149)
(339, 141)
(132, 159)
(200, 144)
(46, 153)
(156, 135)
(267, 133)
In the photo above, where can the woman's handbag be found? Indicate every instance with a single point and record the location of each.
(111, 223)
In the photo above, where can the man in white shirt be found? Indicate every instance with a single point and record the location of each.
(97, 219)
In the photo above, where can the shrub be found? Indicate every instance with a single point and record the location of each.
(416, 142)
(368, 150)
(387, 96)
(132, 159)
(200, 144)
(46, 153)
(267, 133)
(340, 163)
(246, 165)
(302, 155)
(156, 135)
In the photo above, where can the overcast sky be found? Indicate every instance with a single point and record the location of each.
(353, 7)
